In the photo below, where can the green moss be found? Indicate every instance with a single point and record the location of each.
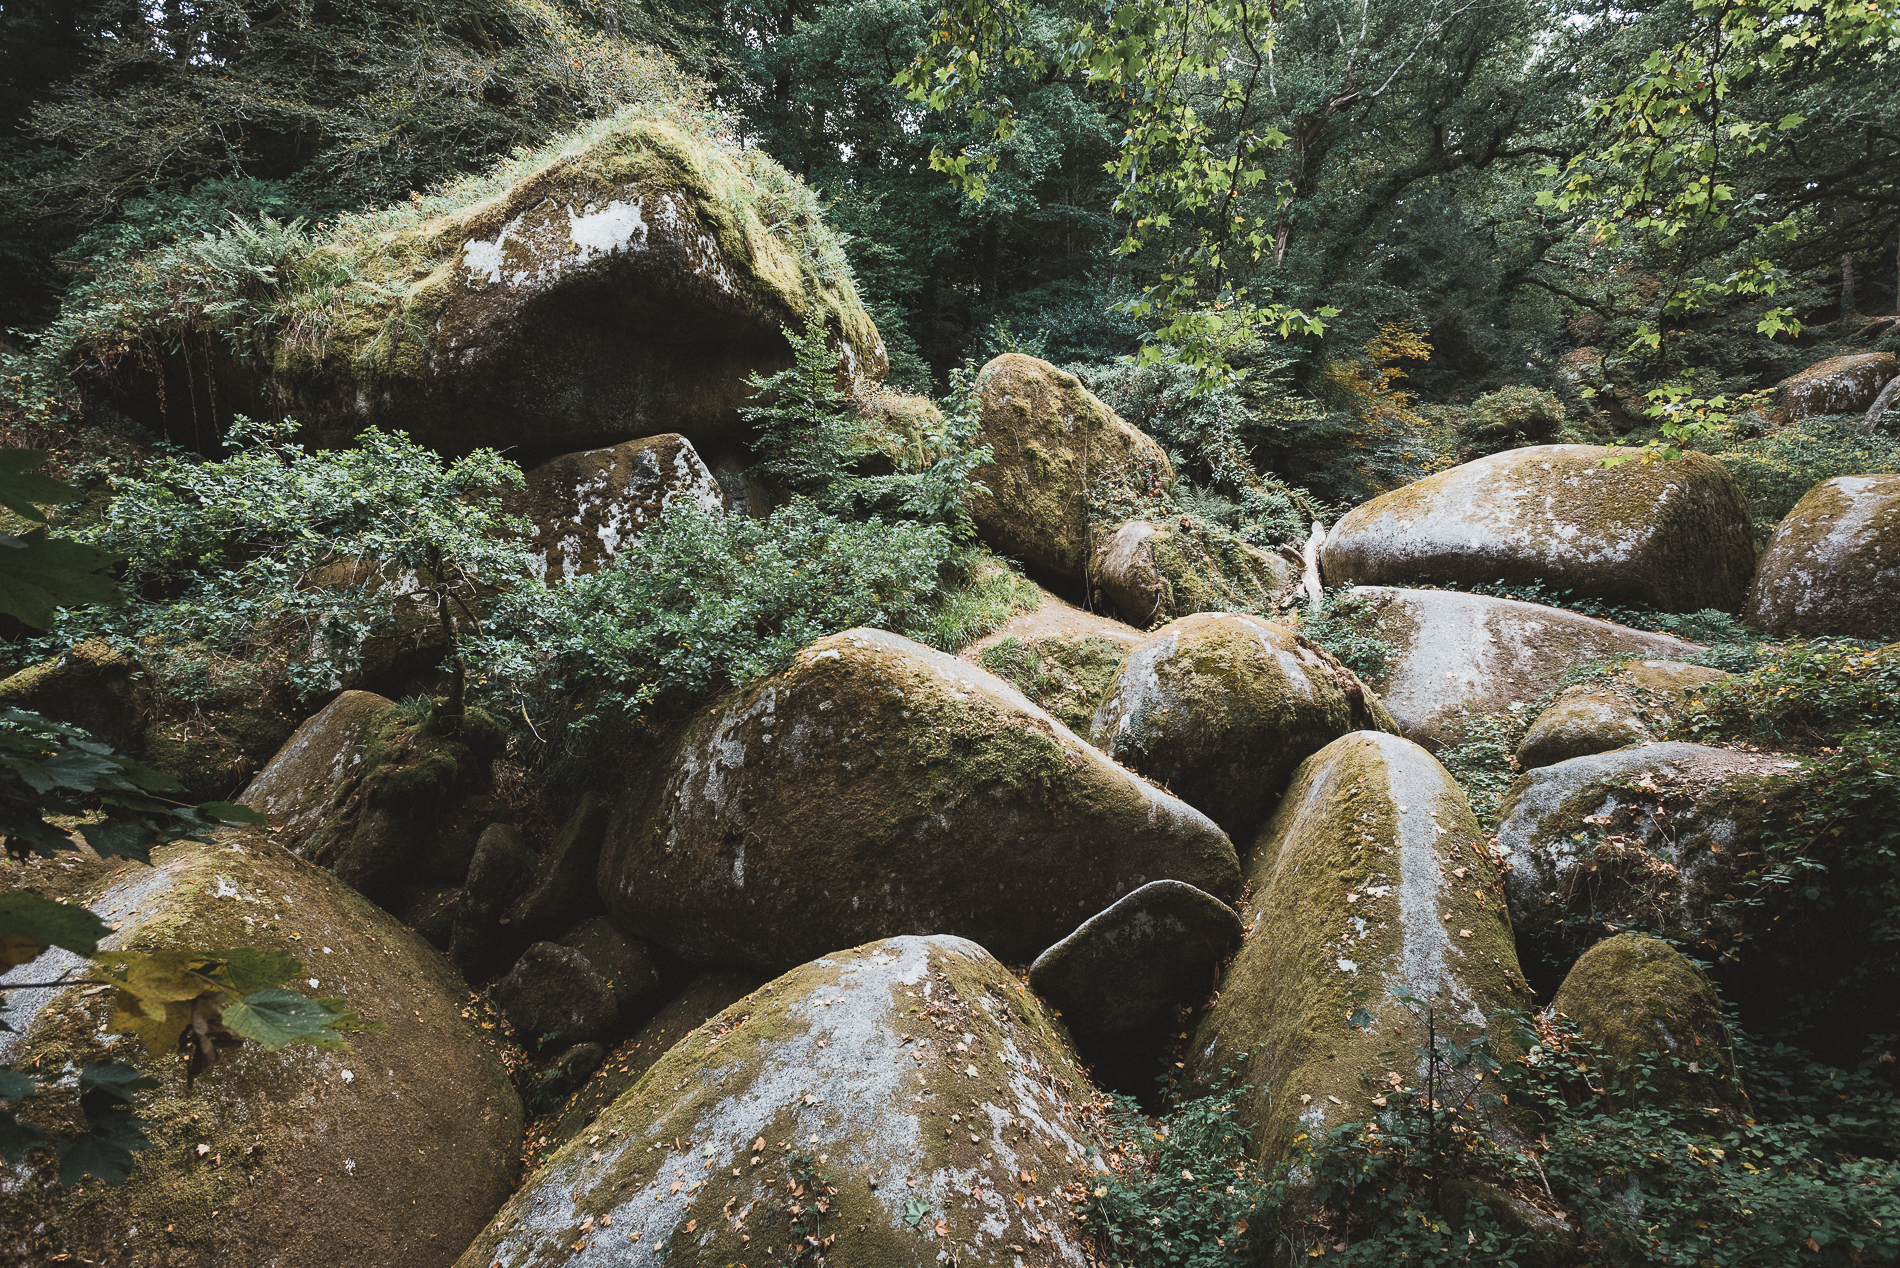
(1066, 675)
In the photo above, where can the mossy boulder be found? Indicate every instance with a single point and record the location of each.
(877, 787)
(626, 965)
(563, 891)
(702, 998)
(582, 507)
(1833, 564)
(1064, 673)
(299, 784)
(1128, 968)
(371, 792)
(1453, 652)
(394, 1151)
(1220, 709)
(1371, 876)
(1838, 385)
(1157, 570)
(627, 288)
(554, 996)
(1054, 448)
(92, 687)
(400, 650)
(904, 1102)
(1669, 535)
(1657, 1018)
(1631, 706)
(1647, 837)
(500, 869)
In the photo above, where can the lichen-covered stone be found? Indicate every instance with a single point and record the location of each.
(909, 1098)
(1371, 876)
(1833, 564)
(1127, 968)
(1643, 836)
(1646, 1004)
(877, 787)
(1838, 385)
(1220, 708)
(296, 789)
(1631, 706)
(702, 998)
(1669, 535)
(393, 1152)
(554, 996)
(582, 507)
(1051, 444)
(1158, 570)
(627, 288)
(1453, 651)
(91, 687)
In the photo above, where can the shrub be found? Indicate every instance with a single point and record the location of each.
(1516, 415)
(1776, 469)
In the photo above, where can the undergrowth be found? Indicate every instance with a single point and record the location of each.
(1068, 677)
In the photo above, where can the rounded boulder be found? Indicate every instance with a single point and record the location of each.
(1635, 702)
(890, 1104)
(1154, 571)
(1220, 708)
(878, 787)
(1128, 967)
(394, 1151)
(1833, 564)
(1669, 535)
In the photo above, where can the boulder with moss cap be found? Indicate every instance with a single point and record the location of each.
(582, 508)
(1659, 1023)
(395, 1150)
(92, 687)
(628, 287)
(1643, 836)
(1633, 703)
(1670, 535)
(1054, 449)
(900, 1134)
(1452, 652)
(877, 787)
(1220, 708)
(1838, 385)
(1371, 876)
(1833, 564)
(1155, 570)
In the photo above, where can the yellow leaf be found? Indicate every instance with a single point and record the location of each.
(15, 949)
(157, 1026)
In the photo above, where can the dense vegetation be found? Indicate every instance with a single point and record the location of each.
(1316, 252)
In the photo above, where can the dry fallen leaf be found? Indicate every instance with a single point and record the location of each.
(1464, 933)
(691, 1225)
(942, 1229)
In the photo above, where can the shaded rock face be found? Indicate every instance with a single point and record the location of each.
(704, 997)
(1674, 536)
(624, 964)
(298, 785)
(1833, 565)
(1838, 385)
(1641, 836)
(1220, 709)
(394, 1152)
(500, 869)
(91, 687)
(584, 506)
(1052, 442)
(1453, 650)
(563, 891)
(1127, 968)
(836, 1059)
(1636, 701)
(1644, 1003)
(877, 786)
(1153, 572)
(625, 290)
(1371, 875)
(554, 996)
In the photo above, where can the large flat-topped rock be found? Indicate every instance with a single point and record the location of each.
(1669, 535)
(1454, 650)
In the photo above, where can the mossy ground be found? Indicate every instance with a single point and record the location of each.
(1065, 675)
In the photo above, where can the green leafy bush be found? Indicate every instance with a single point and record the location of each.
(1340, 627)
(1516, 415)
(1777, 468)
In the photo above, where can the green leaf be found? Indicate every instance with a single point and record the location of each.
(14, 1085)
(30, 921)
(39, 574)
(104, 1151)
(248, 969)
(277, 1017)
(116, 1079)
(24, 493)
(120, 838)
(17, 1137)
